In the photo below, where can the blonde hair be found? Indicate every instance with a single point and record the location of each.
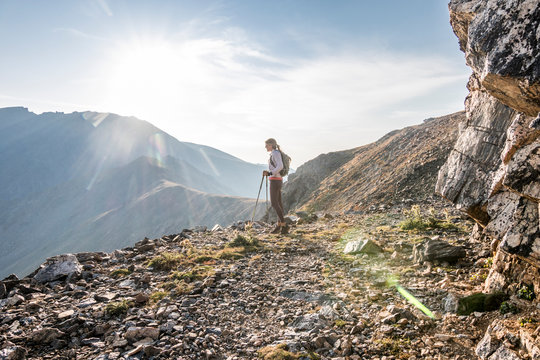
(273, 143)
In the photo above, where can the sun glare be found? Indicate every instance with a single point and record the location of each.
(151, 77)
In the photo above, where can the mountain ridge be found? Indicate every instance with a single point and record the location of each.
(389, 170)
(65, 176)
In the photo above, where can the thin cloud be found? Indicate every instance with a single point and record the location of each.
(105, 7)
(339, 88)
(79, 34)
(240, 90)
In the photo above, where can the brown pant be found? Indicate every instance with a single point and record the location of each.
(275, 198)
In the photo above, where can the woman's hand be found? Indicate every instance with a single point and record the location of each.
(266, 173)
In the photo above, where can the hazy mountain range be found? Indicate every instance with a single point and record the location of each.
(95, 181)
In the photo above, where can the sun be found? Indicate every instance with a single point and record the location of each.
(151, 77)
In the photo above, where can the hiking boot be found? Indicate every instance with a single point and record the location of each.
(276, 230)
(284, 229)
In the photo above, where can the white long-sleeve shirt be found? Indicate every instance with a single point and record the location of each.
(275, 164)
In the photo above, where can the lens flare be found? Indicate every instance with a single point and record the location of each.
(209, 162)
(158, 149)
(392, 281)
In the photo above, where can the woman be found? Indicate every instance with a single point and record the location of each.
(275, 164)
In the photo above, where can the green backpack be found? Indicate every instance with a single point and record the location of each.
(286, 160)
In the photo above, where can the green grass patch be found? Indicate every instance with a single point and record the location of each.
(278, 352)
(157, 296)
(417, 221)
(243, 241)
(194, 274)
(231, 253)
(180, 287)
(120, 273)
(118, 308)
(394, 346)
(166, 261)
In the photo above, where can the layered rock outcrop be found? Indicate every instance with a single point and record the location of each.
(493, 172)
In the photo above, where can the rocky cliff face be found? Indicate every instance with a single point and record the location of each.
(493, 172)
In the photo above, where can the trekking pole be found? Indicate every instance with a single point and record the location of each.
(256, 202)
(266, 215)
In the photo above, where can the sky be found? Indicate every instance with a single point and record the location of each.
(317, 75)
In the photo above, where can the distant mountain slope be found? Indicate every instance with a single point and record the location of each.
(91, 181)
(58, 147)
(402, 164)
(111, 215)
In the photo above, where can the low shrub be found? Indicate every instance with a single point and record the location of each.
(118, 308)
(507, 307)
(242, 241)
(165, 261)
(527, 292)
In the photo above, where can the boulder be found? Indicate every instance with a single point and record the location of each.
(437, 250)
(58, 267)
(493, 344)
(14, 300)
(451, 303)
(480, 302)
(530, 342)
(503, 353)
(105, 297)
(137, 333)
(392, 314)
(306, 217)
(13, 353)
(535, 124)
(45, 335)
(362, 247)
(309, 322)
(487, 346)
(89, 256)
